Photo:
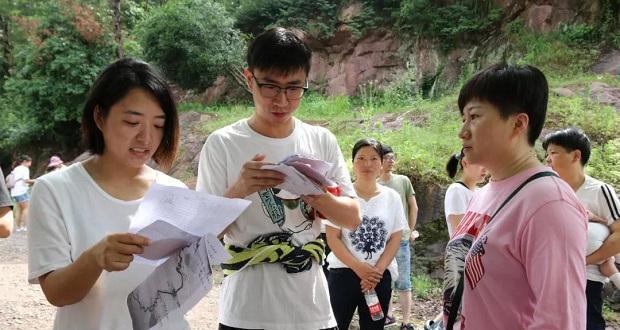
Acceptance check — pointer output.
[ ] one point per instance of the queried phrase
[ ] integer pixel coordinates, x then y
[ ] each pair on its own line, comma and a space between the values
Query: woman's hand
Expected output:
115, 252
367, 286
608, 267
368, 273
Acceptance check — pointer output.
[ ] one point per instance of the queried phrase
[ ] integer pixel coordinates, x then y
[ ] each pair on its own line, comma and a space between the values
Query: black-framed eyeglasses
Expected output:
271, 91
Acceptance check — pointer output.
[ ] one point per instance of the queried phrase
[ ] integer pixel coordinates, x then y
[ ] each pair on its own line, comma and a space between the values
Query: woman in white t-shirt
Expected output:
79, 249
456, 200
19, 192
460, 192
363, 259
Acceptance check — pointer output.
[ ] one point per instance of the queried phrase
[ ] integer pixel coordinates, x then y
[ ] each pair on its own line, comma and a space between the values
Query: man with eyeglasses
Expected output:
274, 278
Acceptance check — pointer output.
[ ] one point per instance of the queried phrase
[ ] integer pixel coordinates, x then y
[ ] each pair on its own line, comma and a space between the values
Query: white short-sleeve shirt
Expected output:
21, 173
457, 198
265, 296
601, 199
382, 215
69, 213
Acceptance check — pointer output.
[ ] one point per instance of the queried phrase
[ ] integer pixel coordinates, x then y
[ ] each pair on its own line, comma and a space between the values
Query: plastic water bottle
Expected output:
376, 313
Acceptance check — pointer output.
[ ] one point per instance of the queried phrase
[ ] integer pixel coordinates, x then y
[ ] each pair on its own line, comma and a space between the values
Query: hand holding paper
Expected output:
304, 176
173, 217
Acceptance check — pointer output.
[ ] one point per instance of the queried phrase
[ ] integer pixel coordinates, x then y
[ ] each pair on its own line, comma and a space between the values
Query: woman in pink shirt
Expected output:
523, 235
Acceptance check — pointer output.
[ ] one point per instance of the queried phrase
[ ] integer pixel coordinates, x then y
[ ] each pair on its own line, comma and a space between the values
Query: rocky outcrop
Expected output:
608, 64
342, 64
346, 63
597, 92
185, 168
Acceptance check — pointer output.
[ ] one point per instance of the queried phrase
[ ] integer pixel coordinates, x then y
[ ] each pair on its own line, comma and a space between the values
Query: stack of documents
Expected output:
304, 176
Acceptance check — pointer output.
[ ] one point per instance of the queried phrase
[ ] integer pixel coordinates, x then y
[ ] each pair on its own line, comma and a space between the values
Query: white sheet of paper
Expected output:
173, 217
317, 165
177, 285
295, 182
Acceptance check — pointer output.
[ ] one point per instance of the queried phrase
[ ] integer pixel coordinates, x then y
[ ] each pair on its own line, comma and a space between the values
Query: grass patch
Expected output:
609, 314
425, 287
428, 129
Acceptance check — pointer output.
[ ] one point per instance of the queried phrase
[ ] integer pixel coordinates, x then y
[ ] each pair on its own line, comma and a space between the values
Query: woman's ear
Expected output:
577, 156
521, 122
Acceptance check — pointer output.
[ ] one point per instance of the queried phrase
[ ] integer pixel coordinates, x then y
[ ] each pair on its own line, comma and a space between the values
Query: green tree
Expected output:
192, 41
66, 47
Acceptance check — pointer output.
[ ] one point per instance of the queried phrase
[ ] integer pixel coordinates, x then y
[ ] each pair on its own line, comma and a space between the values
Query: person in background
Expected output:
460, 192
363, 259
54, 164
568, 152
458, 195
19, 192
402, 185
288, 290
79, 248
6, 209
523, 230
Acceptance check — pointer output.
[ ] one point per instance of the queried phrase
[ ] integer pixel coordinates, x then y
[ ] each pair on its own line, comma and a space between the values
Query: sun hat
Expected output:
54, 161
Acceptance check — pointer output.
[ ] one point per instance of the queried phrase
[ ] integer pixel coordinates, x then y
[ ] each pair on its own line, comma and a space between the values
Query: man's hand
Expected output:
252, 179
115, 252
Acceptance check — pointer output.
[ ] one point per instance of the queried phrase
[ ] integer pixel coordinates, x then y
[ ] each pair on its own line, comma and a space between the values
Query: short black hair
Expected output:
280, 50
368, 142
23, 158
512, 89
570, 139
114, 83
387, 150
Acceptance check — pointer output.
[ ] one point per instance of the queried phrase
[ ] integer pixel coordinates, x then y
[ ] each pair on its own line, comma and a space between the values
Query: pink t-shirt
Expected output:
526, 268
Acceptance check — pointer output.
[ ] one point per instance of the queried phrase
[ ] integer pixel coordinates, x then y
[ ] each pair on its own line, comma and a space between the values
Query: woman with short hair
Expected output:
79, 249
525, 229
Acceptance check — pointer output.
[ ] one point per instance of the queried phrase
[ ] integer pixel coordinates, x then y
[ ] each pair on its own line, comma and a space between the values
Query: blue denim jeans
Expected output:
403, 259
22, 198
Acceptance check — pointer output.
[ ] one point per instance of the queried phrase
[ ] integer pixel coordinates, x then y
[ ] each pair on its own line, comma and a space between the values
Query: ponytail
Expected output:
453, 164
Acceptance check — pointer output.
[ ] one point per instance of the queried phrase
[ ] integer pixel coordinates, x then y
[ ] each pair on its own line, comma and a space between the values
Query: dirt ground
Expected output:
23, 306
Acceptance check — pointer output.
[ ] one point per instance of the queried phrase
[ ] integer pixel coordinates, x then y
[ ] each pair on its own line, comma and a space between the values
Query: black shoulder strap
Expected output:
530, 179
463, 183
458, 293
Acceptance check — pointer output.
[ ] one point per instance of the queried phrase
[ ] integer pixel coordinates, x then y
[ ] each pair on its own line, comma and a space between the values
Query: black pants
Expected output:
225, 327
594, 296
346, 295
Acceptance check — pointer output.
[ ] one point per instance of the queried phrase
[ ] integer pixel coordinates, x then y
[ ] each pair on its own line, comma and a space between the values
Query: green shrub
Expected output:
601, 123
462, 21
604, 161
559, 54
192, 41
318, 18
425, 287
